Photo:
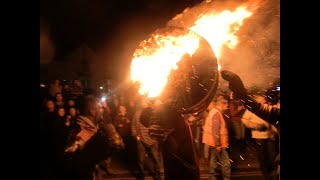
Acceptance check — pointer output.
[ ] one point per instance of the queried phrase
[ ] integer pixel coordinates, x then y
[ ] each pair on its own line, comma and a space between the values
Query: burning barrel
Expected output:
178, 65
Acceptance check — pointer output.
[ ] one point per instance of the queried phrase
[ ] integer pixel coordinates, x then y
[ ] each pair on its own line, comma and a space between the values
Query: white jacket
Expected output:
250, 118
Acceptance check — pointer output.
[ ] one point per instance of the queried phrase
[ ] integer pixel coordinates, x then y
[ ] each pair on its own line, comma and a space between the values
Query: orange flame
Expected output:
219, 28
151, 66
160, 54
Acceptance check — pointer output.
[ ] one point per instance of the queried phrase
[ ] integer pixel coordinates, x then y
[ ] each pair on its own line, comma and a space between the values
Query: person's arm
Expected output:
116, 122
246, 121
266, 112
95, 150
133, 126
216, 128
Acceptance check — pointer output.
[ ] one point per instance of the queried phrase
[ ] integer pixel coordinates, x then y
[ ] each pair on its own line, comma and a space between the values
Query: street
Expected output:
247, 168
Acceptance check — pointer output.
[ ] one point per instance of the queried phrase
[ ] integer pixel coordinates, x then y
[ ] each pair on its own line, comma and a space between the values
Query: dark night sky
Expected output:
113, 29
73, 22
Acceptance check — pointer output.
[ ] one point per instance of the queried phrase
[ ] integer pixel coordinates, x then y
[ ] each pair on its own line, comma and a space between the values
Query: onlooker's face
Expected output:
72, 112
95, 109
122, 109
231, 95
224, 105
157, 103
131, 103
144, 104
77, 82
61, 112
66, 86
50, 105
59, 97
71, 102
121, 99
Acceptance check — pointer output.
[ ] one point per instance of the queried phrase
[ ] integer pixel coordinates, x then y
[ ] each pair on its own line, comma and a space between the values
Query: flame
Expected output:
160, 54
151, 66
219, 28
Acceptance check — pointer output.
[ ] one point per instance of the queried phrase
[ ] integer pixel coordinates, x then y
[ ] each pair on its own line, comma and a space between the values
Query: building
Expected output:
82, 63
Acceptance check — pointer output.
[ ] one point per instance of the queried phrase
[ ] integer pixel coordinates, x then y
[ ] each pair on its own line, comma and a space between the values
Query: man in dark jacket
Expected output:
77, 161
266, 112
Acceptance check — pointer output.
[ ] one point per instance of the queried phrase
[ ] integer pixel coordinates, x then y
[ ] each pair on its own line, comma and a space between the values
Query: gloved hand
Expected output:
235, 84
75, 146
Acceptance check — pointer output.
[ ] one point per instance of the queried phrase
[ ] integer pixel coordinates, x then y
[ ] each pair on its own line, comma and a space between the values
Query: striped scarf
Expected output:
88, 128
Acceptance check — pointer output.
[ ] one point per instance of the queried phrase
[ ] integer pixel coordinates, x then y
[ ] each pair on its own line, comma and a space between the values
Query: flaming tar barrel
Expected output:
176, 64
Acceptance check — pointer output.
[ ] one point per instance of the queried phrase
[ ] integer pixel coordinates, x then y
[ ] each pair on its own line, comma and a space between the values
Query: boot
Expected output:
109, 170
107, 167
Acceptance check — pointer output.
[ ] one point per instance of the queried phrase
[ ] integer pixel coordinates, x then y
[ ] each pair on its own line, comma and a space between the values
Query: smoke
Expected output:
47, 48
256, 58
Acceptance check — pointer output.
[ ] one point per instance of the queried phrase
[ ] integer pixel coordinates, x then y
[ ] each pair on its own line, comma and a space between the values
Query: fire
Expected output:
151, 66
219, 28
158, 55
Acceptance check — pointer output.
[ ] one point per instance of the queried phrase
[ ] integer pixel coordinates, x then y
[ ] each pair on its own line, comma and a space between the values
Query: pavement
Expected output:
244, 167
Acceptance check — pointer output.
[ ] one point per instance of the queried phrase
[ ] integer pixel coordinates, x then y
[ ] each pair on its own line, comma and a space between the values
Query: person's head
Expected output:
71, 102
122, 109
132, 103
122, 98
77, 82
61, 111
115, 100
91, 106
50, 105
56, 82
73, 111
157, 103
66, 86
231, 95
235, 106
59, 97
221, 104
144, 103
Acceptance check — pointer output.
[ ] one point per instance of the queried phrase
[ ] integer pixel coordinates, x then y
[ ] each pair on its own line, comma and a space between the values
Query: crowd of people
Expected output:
68, 121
